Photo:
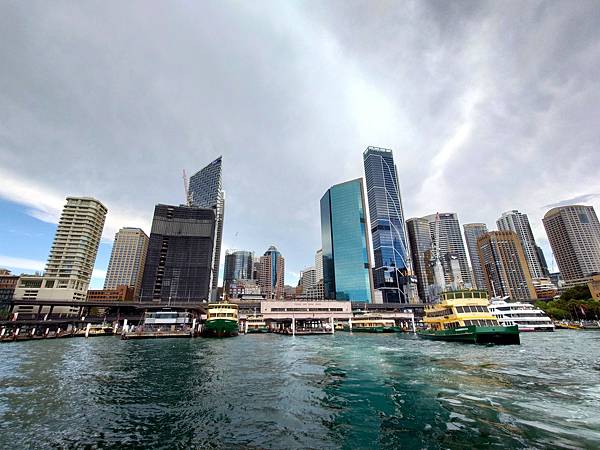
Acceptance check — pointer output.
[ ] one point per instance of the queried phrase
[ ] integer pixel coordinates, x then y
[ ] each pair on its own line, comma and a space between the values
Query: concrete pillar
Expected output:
246, 326
33, 331
332, 327
2, 332
15, 315
350, 323
413, 323
193, 327
47, 331
17, 331
87, 329
293, 326
115, 326
124, 326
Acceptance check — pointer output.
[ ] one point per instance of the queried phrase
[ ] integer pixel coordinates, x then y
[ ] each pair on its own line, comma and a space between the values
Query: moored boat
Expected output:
161, 324
463, 316
256, 324
221, 320
371, 323
524, 315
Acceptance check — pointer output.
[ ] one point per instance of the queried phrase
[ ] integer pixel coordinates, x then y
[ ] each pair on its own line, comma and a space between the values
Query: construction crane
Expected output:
186, 188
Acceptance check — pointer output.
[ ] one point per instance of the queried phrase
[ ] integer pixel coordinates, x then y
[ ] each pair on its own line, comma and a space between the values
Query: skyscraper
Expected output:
319, 264
73, 254
206, 191
238, 266
450, 245
505, 266
472, 232
271, 274
574, 235
419, 238
127, 260
519, 223
346, 253
179, 259
392, 260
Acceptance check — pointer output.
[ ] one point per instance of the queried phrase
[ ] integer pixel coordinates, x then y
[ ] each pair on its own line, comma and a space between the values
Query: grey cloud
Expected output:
113, 99
584, 198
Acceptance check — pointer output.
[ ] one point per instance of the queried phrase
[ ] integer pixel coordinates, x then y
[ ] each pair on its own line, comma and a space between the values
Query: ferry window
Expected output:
450, 296
476, 295
468, 295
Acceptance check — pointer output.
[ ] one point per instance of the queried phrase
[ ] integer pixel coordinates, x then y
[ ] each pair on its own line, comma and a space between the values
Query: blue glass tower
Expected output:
206, 191
392, 263
346, 252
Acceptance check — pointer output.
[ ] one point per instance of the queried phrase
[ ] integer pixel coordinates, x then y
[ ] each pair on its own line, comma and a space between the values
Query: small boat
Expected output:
221, 320
463, 316
524, 315
103, 329
371, 323
256, 324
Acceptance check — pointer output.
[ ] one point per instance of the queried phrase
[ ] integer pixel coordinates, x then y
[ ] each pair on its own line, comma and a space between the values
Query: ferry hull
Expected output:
257, 330
220, 328
476, 335
373, 329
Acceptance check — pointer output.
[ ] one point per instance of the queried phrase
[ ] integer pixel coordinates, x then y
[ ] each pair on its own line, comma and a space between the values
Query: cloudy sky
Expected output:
488, 106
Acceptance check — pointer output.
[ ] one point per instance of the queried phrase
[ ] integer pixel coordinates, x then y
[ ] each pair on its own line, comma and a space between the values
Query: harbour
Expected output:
330, 391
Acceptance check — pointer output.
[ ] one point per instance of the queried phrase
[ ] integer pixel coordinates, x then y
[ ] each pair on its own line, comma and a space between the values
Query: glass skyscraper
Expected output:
238, 266
206, 191
392, 263
346, 252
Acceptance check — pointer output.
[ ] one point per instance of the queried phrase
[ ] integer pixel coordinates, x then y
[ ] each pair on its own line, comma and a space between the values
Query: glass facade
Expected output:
206, 191
392, 264
346, 259
238, 266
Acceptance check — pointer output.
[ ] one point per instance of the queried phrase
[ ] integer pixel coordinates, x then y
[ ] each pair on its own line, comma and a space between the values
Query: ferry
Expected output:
463, 316
370, 323
256, 324
161, 324
221, 320
526, 316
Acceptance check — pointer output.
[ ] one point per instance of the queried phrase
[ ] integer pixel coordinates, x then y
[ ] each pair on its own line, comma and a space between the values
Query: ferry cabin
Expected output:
374, 324
460, 309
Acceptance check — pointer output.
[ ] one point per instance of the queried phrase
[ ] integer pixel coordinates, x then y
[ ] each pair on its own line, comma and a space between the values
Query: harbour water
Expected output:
269, 391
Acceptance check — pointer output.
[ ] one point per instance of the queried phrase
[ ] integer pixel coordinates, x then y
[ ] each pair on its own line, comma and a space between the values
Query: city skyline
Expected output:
443, 118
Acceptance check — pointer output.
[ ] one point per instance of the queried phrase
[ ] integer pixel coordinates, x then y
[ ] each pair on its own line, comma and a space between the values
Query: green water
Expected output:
270, 391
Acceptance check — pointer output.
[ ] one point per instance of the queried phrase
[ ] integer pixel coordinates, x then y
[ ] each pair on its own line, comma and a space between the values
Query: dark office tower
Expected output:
346, 252
238, 266
392, 263
472, 232
180, 251
451, 243
540, 254
420, 252
206, 191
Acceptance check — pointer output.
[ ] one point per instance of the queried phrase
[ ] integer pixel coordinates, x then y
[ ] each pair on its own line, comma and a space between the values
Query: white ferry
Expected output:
525, 315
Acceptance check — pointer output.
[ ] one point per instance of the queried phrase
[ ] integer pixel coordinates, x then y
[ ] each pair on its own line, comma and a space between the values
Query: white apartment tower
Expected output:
319, 264
127, 259
519, 223
73, 253
574, 235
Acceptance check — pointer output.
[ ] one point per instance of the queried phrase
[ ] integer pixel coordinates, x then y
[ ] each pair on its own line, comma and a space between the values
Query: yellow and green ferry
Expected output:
221, 320
370, 323
256, 324
463, 316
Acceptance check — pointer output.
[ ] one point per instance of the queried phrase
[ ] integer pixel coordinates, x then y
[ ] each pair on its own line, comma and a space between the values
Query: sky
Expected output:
488, 106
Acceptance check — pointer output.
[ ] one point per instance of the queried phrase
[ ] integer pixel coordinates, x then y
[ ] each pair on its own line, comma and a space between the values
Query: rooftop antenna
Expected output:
186, 188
